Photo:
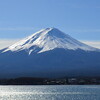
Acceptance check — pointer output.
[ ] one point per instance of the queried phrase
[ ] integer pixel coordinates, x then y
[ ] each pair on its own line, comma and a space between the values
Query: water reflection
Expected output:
50, 92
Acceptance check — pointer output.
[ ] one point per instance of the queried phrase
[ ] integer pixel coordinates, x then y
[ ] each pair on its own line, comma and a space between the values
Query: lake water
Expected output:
50, 92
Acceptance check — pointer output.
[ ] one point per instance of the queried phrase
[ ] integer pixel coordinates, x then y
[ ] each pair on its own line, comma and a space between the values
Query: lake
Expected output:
50, 92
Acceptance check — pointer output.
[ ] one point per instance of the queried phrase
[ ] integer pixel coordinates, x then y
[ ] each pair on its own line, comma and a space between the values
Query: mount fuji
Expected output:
49, 53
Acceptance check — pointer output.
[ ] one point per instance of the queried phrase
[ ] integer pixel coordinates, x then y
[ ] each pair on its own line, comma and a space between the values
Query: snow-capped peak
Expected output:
48, 39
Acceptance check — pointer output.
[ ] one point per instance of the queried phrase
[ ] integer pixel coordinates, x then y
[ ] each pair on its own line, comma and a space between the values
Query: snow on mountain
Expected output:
48, 39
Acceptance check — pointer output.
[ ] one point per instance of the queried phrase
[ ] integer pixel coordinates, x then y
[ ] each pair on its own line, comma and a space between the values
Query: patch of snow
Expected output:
48, 39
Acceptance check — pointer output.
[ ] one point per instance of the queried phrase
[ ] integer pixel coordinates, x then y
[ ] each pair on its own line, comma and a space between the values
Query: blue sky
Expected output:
78, 18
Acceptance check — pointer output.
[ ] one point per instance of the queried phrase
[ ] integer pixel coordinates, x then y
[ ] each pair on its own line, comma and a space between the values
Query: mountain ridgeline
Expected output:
49, 53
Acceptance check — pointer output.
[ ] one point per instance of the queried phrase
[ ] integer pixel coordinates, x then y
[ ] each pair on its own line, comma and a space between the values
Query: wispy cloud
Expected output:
7, 42
85, 30
34, 28
95, 44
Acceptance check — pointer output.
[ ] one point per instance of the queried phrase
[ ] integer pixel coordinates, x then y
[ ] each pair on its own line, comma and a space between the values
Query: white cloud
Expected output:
85, 30
7, 42
95, 44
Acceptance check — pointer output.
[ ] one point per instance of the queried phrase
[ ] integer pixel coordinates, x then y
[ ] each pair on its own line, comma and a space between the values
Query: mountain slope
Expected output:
48, 39
49, 53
